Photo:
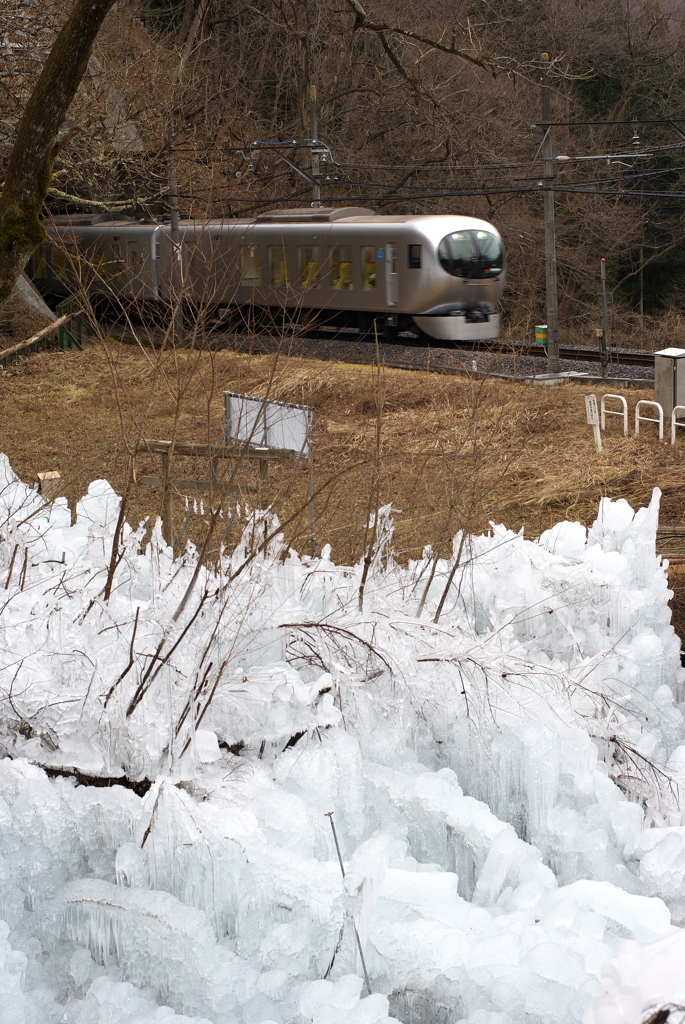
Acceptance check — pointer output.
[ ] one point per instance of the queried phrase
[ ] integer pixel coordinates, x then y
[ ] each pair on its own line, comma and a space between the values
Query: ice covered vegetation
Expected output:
498, 736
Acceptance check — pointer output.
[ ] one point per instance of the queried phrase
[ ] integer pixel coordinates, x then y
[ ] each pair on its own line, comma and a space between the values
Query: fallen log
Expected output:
36, 337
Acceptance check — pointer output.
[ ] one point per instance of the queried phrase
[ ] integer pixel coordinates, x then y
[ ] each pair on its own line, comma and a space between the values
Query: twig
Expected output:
115, 557
131, 659
23, 571
144, 685
9, 574
329, 815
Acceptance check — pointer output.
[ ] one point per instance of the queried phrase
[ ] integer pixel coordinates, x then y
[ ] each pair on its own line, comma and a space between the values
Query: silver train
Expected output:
440, 276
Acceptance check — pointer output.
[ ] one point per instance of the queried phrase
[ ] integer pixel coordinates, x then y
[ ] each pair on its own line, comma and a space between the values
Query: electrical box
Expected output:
541, 334
669, 379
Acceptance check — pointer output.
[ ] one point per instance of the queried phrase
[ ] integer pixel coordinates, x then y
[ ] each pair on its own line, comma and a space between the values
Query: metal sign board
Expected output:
591, 410
269, 424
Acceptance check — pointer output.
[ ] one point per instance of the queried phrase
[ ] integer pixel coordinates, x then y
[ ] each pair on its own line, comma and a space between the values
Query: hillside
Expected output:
388, 102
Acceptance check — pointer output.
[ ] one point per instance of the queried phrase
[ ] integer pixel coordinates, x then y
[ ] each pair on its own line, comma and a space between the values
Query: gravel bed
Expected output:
416, 355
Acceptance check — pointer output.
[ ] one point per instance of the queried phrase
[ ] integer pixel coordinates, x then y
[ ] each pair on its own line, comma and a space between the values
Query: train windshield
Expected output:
471, 254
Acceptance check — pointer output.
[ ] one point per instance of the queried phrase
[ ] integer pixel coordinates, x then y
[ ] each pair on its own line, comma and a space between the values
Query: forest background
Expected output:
426, 110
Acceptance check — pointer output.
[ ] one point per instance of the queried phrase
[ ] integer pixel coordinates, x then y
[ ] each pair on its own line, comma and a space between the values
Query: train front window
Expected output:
471, 254
457, 254
491, 255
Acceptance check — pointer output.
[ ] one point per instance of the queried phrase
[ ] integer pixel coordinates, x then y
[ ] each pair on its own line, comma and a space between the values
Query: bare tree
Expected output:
29, 171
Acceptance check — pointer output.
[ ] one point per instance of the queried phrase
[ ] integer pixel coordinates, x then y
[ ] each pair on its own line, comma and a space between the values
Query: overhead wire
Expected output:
414, 191
447, 194
387, 192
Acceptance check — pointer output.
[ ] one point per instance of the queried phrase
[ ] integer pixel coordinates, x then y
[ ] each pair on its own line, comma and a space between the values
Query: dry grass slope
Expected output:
454, 452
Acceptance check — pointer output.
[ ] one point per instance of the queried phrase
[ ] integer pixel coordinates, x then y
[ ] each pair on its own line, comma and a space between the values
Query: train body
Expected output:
439, 274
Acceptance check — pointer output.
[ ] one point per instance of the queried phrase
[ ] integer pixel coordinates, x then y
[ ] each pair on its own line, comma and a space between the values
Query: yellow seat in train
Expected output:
310, 274
369, 278
281, 274
344, 280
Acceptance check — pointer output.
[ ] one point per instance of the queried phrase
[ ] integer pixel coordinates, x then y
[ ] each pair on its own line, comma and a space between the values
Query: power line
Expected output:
448, 194
633, 120
411, 190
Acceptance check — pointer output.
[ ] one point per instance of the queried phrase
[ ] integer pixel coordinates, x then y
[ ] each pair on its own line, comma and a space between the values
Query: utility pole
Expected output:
553, 364
313, 133
604, 337
641, 306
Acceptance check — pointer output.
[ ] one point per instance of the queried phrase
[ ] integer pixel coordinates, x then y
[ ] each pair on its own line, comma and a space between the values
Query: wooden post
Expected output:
592, 415
49, 484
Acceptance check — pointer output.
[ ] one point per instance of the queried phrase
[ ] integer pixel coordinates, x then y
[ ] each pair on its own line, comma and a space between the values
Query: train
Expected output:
438, 276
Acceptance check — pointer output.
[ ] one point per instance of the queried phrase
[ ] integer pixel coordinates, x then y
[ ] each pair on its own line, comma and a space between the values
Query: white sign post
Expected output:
269, 424
592, 415
280, 426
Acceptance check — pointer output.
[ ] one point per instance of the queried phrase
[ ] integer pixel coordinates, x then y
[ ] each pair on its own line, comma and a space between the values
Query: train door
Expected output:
390, 274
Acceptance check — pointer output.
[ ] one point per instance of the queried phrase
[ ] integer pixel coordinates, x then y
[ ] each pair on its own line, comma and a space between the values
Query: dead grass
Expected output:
630, 330
455, 452
18, 321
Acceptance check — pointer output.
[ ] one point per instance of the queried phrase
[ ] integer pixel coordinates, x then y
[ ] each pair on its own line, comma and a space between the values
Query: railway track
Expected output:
406, 352
583, 354
622, 357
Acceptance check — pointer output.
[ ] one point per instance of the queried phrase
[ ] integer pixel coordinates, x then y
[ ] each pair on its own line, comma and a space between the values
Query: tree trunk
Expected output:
29, 170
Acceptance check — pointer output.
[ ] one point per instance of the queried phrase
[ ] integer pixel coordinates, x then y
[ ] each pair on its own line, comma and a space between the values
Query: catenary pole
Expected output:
313, 134
553, 364
604, 339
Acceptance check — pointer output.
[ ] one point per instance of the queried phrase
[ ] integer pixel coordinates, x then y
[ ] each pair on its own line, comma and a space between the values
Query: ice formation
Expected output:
506, 782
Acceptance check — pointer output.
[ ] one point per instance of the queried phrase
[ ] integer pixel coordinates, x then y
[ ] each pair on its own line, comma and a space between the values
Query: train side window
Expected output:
250, 269
309, 266
98, 259
134, 258
414, 257
279, 266
40, 265
342, 279
368, 268
117, 264
59, 263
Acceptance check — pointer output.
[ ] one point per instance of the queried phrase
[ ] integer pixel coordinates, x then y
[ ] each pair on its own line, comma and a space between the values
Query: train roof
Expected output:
430, 223
298, 215
312, 214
